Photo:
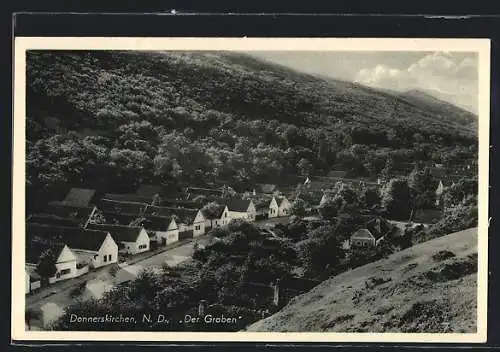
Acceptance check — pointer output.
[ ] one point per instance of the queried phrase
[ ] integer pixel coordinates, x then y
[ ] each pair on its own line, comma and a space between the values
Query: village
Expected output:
87, 230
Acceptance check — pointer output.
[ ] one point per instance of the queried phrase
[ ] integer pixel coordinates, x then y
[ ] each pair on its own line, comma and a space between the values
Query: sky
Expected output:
450, 76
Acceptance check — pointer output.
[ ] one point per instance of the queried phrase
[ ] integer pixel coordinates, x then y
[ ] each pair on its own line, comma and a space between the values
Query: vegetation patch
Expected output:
338, 320
443, 255
425, 317
453, 270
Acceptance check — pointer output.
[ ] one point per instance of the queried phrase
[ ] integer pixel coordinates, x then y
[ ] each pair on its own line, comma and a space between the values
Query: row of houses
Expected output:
85, 231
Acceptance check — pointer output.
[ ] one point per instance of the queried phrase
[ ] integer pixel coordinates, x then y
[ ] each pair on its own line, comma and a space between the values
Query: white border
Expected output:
481, 46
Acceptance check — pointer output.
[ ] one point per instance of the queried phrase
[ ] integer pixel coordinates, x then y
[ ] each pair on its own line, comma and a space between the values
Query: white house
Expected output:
59, 254
218, 217
93, 247
131, 239
96, 248
279, 206
190, 219
241, 209
371, 235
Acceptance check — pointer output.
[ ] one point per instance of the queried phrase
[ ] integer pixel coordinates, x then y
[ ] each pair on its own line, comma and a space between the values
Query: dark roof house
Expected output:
81, 197
120, 233
50, 219
134, 198
214, 212
35, 248
182, 215
74, 238
118, 207
79, 213
238, 205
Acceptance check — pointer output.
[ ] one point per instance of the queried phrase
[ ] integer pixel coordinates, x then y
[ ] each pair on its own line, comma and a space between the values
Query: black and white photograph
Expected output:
280, 187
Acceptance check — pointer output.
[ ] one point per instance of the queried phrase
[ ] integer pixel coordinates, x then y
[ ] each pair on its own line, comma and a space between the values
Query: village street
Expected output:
52, 300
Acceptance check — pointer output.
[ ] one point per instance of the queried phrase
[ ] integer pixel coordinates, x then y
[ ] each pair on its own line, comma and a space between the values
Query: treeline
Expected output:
199, 117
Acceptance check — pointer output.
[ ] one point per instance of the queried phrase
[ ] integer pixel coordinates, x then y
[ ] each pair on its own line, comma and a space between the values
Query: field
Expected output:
427, 288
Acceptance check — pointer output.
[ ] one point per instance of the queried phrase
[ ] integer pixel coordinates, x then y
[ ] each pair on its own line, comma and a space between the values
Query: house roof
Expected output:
112, 206
266, 187
134, 198
79, 196
238, 204
363, 233
169, 202
156, 223
182, 215
280, 200
79, 213
51, 219
378, 227
35, 248
217, 213
73, 237
120, 233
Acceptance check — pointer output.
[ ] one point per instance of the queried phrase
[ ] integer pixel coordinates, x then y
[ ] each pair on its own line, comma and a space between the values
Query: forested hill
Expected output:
171, 116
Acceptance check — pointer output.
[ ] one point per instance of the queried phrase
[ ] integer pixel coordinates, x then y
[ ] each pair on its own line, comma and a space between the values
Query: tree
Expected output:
422, 189
298, 208
305, 166
387, 170
330, 208
47, 264
396, 199
369, 197
31, 314
211, 210
321, 252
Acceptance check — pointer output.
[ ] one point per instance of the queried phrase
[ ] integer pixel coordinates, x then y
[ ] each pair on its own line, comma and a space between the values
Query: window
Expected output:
110, 257
225, 215
65, 271
105, 258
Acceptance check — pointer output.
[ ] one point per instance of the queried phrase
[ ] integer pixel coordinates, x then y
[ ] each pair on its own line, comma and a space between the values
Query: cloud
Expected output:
448, 76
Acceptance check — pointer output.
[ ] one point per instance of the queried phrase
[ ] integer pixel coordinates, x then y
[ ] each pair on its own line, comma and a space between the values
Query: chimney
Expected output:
201, 307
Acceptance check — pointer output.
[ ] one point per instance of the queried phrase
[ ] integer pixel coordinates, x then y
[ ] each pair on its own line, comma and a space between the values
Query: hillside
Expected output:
201, 117
439, 106
430, 287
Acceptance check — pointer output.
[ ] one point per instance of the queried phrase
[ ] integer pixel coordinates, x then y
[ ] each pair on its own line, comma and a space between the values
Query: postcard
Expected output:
250, 189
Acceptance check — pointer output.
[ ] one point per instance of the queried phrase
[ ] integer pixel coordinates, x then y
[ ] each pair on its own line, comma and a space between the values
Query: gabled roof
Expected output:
73, 237
363, 233
280, 200
182, 215
50, 219
238, 204
169, 202
79, 196
218, 211
35, 248
156, 223
193, 191
134, 198
79, 213
378, 227
120, 233
112, 206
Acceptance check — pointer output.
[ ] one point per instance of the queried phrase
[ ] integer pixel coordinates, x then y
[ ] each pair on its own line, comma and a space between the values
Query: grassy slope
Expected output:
424, 294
